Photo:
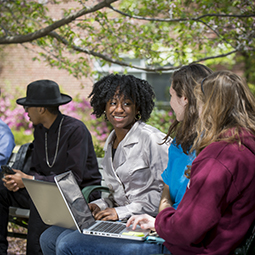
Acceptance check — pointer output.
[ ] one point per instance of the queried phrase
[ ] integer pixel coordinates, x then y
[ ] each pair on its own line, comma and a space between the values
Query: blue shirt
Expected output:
173, 176
6, 143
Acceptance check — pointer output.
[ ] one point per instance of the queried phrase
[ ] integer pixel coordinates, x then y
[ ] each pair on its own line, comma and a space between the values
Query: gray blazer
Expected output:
134, 176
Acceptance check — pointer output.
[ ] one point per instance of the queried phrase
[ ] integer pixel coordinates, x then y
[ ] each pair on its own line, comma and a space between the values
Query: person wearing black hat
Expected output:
61, 143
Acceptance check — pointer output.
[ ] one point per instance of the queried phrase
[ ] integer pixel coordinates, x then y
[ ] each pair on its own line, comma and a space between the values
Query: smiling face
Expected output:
178, 104
121, 112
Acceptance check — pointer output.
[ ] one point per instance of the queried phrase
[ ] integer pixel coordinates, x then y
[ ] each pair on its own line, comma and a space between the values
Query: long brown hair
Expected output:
227, 108
183, 82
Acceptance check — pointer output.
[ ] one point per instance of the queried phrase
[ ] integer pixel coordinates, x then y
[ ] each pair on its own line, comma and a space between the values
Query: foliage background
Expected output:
166, 33
16, 118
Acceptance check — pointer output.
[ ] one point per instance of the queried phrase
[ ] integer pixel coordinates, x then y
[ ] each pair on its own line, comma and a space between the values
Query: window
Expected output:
160, 82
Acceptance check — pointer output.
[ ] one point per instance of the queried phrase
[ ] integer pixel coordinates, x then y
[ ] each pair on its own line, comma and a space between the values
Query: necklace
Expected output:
46, 147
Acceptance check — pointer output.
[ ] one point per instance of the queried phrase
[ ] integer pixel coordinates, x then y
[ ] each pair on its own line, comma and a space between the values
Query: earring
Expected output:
105, 117
138, 116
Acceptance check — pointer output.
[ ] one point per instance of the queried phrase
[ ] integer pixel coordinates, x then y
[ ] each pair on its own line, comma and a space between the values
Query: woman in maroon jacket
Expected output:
218, 207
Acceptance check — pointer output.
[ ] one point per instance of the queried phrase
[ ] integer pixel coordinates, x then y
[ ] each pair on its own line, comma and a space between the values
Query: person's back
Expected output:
238, 205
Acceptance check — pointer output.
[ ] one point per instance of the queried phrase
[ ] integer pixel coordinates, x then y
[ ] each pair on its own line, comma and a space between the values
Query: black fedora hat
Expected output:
43, 93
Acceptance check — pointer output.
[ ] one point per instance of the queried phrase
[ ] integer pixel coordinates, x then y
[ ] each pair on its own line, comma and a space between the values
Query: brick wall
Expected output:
18, 69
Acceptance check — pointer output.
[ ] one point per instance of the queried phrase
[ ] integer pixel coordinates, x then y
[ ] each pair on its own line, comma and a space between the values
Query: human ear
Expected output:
137, 110
42, 110
184, 101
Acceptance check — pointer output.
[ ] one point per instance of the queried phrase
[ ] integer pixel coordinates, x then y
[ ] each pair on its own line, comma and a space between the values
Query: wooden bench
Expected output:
20, 216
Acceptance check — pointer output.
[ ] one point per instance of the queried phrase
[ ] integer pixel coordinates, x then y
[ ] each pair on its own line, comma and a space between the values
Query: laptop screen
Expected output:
75, 200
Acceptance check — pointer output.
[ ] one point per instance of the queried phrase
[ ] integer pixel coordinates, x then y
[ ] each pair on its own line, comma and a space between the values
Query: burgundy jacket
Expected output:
219, 204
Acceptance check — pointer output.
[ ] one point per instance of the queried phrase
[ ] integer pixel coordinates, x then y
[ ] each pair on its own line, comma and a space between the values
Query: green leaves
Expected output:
159, 31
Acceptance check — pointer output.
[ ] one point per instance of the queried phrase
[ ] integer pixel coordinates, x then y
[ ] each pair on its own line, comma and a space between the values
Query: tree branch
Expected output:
214, 57
45, 31
182, 19
122, 63
197, 19
218, 34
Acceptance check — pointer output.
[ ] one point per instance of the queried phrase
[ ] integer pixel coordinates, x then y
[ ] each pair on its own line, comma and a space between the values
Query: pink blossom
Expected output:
28, 132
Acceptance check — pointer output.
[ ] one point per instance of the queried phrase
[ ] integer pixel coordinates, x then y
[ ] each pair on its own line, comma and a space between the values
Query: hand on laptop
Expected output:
94, 208
145, 221
107, 214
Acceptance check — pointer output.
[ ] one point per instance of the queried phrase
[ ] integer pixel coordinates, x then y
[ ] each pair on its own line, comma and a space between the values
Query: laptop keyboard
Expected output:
109, 227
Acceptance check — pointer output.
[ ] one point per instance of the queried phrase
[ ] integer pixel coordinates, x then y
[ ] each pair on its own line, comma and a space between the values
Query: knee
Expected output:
50, 238
69, 243
47, 242
44, 241
62, 247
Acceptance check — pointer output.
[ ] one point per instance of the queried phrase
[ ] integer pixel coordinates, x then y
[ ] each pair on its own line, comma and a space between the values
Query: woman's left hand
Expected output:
107, 214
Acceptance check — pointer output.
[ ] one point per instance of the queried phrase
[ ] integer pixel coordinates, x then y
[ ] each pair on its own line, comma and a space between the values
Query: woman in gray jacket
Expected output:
134, 159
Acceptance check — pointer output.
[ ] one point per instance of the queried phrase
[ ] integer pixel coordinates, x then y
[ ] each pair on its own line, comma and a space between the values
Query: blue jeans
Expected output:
59, 241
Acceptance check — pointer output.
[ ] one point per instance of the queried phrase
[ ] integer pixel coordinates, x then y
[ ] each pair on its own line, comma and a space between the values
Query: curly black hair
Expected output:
138, 91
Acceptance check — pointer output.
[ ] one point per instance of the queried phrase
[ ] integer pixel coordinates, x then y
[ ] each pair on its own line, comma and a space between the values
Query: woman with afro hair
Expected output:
134, 158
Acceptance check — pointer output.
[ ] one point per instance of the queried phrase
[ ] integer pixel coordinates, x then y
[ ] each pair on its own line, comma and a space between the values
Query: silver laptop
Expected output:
79, 213
49, 203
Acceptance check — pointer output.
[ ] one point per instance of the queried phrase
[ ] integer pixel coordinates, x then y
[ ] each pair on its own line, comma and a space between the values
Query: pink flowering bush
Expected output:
82, 110
13, 115
16, 118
